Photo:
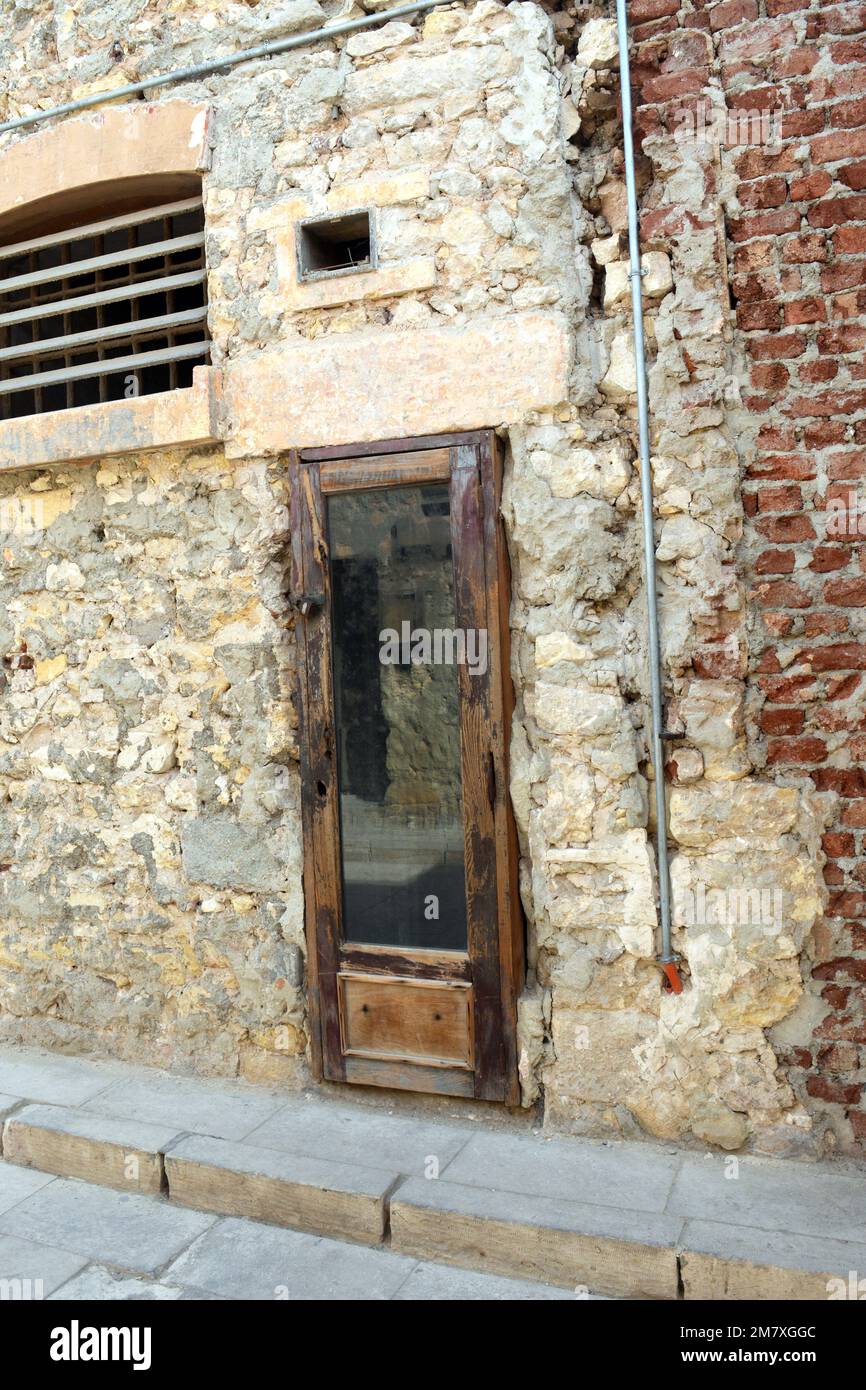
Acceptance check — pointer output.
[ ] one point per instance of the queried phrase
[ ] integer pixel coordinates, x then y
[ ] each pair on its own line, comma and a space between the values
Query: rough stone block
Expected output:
565, 1243
398, 383
125, 1154
739, 1262
310, 1194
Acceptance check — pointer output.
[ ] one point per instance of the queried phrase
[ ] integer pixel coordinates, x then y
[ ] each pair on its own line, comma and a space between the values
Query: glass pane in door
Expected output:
396, 714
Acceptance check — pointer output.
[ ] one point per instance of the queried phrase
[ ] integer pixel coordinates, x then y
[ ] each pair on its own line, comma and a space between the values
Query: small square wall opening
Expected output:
336, 245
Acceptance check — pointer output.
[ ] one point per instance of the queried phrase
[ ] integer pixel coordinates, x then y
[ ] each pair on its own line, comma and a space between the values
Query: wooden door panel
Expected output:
408, 1016
423, 1021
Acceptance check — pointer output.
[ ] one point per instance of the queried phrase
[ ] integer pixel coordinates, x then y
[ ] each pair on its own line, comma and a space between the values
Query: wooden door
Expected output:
414, 931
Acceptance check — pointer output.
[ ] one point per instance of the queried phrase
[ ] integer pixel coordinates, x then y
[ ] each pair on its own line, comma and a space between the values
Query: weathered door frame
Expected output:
493, 967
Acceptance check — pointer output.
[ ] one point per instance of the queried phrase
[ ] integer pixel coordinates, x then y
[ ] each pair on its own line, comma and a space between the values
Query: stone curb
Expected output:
619, 1252
124, 1154
309, 1194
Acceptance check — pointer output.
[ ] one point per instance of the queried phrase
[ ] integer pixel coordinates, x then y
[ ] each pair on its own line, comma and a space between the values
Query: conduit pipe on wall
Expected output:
230, 60
667, 959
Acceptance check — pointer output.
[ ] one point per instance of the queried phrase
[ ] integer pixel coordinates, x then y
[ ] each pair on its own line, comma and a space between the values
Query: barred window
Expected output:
103, 310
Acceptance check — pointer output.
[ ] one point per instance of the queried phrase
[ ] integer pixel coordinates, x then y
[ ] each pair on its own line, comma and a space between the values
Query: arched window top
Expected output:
103, 292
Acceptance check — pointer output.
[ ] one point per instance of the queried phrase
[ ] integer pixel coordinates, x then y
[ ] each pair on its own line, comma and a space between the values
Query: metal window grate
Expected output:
104, 311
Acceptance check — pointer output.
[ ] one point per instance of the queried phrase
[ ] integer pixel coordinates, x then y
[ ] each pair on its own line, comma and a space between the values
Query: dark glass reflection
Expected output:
398, 734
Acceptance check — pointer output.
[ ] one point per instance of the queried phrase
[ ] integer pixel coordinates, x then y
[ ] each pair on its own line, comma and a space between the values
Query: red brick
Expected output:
731, 13
845, 781
666, 87
840, 656
825, 625
772, 223
842, 687
854, 814
780, 593
800, 123
849, 113
782, 345
796, 751
780, 499
836, 211
854, 175
829, 149
757, 163
827, 403
849, 337
849, 241
755, 255
848, 593
835, 1091
787, 529
775, 562
806, 249
847, 466
828, 557
805, 311
858, 1123
784, 689
845, 965
823, 432
843, 275
839, 844
821, 371
758, 40
848, 51
781, 721
766, 193
840, 19
811, 186
760, 315
641, 10
771, 376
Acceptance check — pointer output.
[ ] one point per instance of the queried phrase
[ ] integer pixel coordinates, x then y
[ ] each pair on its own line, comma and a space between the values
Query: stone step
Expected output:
345, 1200
126, 1154
514, 1230
630, 1254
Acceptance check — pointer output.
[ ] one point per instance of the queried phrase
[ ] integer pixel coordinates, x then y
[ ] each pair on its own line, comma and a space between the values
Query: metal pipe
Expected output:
667, 957
246, 55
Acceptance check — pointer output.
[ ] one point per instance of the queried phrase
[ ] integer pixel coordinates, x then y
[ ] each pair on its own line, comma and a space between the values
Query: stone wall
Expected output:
148, 774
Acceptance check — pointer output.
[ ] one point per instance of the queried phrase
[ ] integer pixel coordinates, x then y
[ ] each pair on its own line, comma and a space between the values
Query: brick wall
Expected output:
795, 217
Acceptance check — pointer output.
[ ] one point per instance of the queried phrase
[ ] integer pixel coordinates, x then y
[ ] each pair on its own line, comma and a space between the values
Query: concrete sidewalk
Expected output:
178, 1172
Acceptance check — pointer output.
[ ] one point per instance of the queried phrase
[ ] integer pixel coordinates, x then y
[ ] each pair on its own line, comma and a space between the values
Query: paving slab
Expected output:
41, 1268
429, 1283
571, 1244
636, 1176
34, 1075
245, 1260
772, 1195
18, 1183
346, 1200
117, 1228
191, 1104
102, 1285
354, 1134
740, 1262
78, 1144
